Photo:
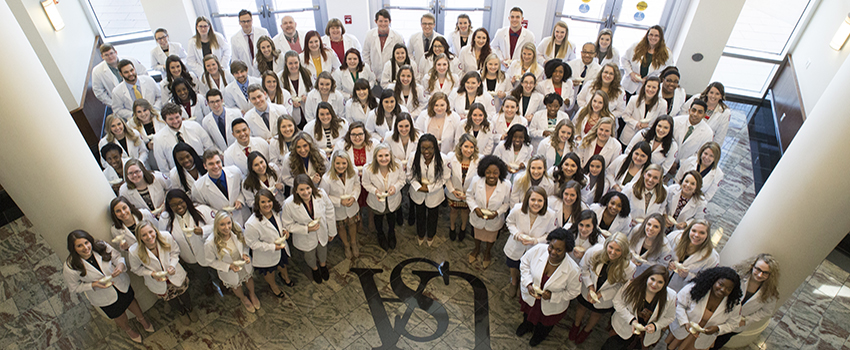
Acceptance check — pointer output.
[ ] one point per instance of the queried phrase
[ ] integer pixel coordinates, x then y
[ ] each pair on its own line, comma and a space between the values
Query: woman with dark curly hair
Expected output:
710, 305
488, 199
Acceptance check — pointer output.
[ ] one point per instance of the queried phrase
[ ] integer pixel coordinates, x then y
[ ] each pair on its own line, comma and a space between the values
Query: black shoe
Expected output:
540, 334
391, 242
317, 276
399, 219
326, 274
411, 219
452, 234
524, 328
382, 241
461, 234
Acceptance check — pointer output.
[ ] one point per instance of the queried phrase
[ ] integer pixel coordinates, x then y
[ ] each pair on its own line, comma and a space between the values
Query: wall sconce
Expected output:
53, 14
841, 34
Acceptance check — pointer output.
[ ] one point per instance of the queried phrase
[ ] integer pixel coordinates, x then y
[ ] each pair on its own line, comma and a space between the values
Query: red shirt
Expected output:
514, 35
339, 48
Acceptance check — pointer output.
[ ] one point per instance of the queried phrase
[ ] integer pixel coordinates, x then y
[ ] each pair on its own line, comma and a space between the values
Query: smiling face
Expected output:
536, 169
714, 95
259, 166
671, 82
653, 36
689, 185
651, 88
270, 83
324, 86
603, 132
241, 76
527, 85
467, 149
266, 49
400, 54
405, 77
362, 94
569, 167
515, 19
388, 103
83, 247
614, 250
652, 228
351, 60
552, 109
305, 192
175, 68
471, 86
559, 34
427, 149
302, 148
441, 66
604, 41
651, 178
480, 40
384, 157
695, 114
111, 57
182, 92
518, 140
336, 33
128, 72
242, 134
178, 206
568, 197
585, 227
596, 103
266, 205
462, 25
565, 133
536, 202
638, 157
595, 167
211, 66
722, 288
287, 129
224, 225
403, 127
122, 212
314, 44
213, 166
292, 65
491, 175
438, 48
117, 128
143, 114
509, 107
148, 236
607, 75
761, 271
527, 56
655, 283
493, 66
707, 158
477, 116
558, 73
288, 25
383, 24
588, 52
698, 234
440, 107
325, 117
340, 165
185, 159
358, 136
113, 158
615, 205
135, 175
203, 28
557, 250
662, 129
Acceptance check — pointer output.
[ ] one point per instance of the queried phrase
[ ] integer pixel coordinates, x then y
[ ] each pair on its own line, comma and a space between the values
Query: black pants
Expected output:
182, 303
426, 220
615, 342
379, 222
722, 340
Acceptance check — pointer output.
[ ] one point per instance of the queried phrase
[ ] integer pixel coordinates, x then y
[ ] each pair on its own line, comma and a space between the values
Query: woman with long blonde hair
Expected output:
647, 57
557, 45
693, 251
600, 140
227, 252
118, 132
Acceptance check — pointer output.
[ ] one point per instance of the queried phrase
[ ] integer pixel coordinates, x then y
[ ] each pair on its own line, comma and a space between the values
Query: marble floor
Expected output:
38, 312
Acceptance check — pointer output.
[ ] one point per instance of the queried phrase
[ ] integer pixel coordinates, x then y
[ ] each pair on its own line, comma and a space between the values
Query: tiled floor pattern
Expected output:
38, 312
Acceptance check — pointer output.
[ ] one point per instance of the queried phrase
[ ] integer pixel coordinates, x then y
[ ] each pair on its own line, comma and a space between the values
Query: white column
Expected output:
800, 214
706, 30
45, 164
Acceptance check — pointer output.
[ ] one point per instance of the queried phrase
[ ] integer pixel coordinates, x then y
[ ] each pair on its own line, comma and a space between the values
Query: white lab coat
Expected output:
694, 263
718, 121
425, 64
657, 157
588, 193
399, 151
664, 256
500, 125
354, 111
624, 314
467, 58
158, 57
693, 210
166, 138
519, 223
329, 64
278, 65
165, 89
275, 154
133, 150
639, 209
577, 66
689, 310
614, 168
454, 40
225, 77
544, 148
240, 51
286, 176
301, 92
501, 44
634, 113
195, 55
282, 44
156, 190
615, 57
408, 101
567, 94
348, 41
296, 219
250, 194
518, 194
590, 276
564, 284
221, 141
611, 150
206, 192
535, 103
456, 182
540, 123
629, 65
710, 182
234, 98
458, 103
616, 105
128, 235
556, 205
335, 98
174, 180
451, 126
221, 263
367, 147
435, 194
336, 189
345, 82
702, 133
234, 155
199, 110
260, 235
487, 140
542, 58
374, 55
376, 183
258, 125
754, 309
83, 284
387, 77
103, 81
380, 130
516, 71
192, 247
416, 45
510, 156
322, 140
447, 87
620, 224
122, 98
679, 97
156, 263
499, 202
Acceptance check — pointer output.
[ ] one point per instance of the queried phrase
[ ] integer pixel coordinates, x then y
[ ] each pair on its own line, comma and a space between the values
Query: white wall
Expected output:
64, 54
361, 18
535, 11
176, 16
707, 34
814, 61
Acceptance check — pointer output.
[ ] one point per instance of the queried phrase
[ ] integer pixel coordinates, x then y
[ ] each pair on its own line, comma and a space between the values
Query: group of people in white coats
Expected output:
253, 144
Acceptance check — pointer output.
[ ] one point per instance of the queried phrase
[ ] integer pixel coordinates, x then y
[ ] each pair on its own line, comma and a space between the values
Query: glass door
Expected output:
407, 13
267, 14
628, 19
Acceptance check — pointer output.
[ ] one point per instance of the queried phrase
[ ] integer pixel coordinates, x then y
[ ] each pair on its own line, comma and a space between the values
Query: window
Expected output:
120, 20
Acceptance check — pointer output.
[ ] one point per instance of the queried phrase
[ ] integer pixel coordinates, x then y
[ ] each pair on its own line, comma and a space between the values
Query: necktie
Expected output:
251, 47
584, 72
265, 116
244, 90
137, 92
180, 137
246, 151
219, 120
220, 184
427, 44
647, 197
690, 130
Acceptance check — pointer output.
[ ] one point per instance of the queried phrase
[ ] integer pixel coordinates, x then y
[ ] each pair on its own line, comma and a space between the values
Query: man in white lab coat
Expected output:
584, 68
264, 116
289, 38
105, 75
419, 42
236, 93
163, 49
508, 41
378, 46
189, 132
132, 88
237, 154
691, 131
217, 122
221, 187
243, 44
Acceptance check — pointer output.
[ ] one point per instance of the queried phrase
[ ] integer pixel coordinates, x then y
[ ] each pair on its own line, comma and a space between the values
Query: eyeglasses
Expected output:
243, 21
429, 24
760, 271
358, 134
162, 38
135, 172
587, 52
